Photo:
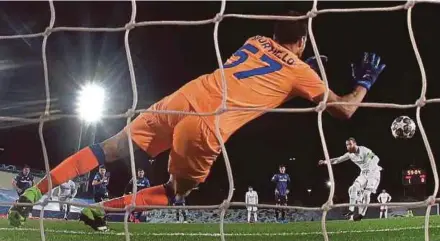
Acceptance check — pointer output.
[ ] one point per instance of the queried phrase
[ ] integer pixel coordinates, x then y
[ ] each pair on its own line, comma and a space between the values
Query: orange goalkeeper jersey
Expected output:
261, 74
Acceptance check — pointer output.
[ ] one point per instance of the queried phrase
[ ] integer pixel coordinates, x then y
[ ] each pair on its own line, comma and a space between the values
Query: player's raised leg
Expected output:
78, 164
353, 193
373, 180
150, 132
365, 201
178, 187
194, 149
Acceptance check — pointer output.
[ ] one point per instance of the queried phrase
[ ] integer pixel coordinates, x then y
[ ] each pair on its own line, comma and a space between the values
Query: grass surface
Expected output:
402, 229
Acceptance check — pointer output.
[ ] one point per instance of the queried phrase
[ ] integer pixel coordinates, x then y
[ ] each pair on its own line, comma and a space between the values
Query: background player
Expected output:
141, 183
367, 181
384, 197
251, 197
23, 180
66, 192
263, 73
181, 212
282, 180
100, 183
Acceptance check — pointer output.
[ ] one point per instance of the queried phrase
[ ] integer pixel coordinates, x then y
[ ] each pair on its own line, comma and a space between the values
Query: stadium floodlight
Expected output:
90, 105
329, 184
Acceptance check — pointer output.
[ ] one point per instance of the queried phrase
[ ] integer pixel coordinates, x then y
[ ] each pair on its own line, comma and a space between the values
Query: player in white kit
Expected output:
384, 197
251, 198
67, 191
368, 180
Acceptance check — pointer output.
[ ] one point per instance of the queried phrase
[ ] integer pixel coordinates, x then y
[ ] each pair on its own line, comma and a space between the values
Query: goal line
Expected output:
203, 234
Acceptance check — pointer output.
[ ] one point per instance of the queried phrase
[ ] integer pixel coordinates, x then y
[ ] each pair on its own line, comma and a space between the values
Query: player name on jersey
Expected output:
279, 53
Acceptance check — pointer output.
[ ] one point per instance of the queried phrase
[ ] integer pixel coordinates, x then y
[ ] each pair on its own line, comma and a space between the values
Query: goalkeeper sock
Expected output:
78, 164
157, 195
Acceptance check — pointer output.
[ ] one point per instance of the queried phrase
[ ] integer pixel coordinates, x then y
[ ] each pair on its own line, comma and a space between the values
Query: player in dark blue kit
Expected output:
23, 180
141, 183
100, 183
282, 180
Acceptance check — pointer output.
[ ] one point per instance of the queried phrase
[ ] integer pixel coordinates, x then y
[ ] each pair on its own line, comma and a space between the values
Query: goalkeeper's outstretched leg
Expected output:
159, 195
194, 148
78, 164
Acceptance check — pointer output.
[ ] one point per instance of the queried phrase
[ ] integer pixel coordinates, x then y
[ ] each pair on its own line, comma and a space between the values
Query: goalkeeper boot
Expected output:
17, 214
94, 218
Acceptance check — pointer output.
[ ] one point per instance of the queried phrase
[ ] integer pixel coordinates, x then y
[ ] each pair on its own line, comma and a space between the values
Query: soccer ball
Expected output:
403, 127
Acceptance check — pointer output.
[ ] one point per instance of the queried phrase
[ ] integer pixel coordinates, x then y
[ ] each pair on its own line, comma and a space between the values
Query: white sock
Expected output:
366, 200
255, 216
381, 213
353, 194
249, 216
386, 213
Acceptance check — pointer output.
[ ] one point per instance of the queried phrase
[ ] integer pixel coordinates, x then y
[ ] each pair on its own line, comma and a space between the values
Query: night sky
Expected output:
166, 57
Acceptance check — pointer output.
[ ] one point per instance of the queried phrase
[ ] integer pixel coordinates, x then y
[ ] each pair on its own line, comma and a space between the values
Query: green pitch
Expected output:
402, 229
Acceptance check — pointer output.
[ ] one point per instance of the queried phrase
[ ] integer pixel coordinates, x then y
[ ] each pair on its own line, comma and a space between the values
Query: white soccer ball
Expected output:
403, 127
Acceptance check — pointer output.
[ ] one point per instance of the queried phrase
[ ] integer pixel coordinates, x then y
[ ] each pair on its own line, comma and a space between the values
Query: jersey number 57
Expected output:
242, 55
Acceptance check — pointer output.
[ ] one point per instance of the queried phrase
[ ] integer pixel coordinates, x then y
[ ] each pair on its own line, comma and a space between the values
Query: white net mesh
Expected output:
314, 12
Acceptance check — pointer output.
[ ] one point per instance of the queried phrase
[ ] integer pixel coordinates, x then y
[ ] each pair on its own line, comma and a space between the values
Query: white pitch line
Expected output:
110, 233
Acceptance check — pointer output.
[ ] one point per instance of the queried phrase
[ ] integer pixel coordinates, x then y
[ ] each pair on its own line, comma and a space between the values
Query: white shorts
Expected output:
369, 180
64, 198
383, 207
252, 209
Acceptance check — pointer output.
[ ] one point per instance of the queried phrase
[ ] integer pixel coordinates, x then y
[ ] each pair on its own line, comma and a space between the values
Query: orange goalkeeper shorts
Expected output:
194, 146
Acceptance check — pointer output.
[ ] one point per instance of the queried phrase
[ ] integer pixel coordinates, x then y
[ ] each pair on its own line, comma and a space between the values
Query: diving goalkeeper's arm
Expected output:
364, 75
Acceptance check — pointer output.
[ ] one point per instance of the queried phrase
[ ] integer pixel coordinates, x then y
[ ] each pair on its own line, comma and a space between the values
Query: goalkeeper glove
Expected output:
368, 71
313, 63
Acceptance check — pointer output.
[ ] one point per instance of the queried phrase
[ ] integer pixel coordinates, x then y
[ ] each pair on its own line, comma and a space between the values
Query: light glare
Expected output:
91, 103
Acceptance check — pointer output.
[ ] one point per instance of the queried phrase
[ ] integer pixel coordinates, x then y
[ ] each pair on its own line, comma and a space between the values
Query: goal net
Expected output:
320, 108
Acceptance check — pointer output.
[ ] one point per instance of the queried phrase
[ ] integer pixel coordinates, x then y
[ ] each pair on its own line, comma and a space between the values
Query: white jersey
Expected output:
384, 197
251, 197
364, 158
67, 189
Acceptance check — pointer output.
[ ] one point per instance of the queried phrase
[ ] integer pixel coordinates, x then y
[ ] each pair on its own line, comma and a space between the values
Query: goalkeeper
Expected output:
265, 72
